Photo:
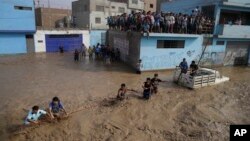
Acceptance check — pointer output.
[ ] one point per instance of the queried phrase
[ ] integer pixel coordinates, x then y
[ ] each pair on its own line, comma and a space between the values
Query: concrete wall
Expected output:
239, 1
86, 13
154, 58
82, 15
40, 42
236, 53
115, 11
138, 6
16, 20
214, 54
97, 36
11, 43
234, 31
185, 6
128, 44
47, 17
147, 5
97, 14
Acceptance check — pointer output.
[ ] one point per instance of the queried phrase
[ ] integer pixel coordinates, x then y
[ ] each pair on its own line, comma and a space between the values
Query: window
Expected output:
207, 42
121, 10
22, 8
40, 41
170, 43
100, 8
220, 43
64, 36
113, 7
29, 36
86, 8
134, 1
97, 20
151, 6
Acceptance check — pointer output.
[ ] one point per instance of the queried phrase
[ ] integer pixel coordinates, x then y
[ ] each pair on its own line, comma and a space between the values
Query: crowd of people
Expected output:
169, 22
150, 87
98, 51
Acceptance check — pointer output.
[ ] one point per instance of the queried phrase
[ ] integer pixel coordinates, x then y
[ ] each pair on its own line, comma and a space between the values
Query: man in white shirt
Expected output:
167, 21
35, 115
139, 67
172, 22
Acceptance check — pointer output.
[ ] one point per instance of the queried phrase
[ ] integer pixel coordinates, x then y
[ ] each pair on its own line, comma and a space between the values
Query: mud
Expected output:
87, 90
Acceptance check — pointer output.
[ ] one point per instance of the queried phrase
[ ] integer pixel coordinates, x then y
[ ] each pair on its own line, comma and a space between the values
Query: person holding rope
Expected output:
147, 89
56, 109
36, 115
193, 68
155, 82
184, 66
121, 95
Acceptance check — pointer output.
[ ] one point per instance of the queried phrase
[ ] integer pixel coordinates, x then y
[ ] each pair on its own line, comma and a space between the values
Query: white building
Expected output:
93, 13
51, 39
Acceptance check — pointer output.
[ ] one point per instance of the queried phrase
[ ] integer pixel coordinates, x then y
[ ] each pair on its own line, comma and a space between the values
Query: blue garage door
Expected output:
69, 42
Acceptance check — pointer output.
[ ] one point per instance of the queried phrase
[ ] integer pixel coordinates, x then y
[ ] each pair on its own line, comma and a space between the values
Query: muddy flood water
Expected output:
87, 88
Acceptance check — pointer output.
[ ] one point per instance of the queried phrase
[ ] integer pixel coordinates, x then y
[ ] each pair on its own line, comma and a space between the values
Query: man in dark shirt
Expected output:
155, 82
184, 66
76, 55
147, 89
193, 68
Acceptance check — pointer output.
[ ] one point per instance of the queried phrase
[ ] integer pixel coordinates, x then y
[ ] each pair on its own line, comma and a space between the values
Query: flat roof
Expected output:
173, 35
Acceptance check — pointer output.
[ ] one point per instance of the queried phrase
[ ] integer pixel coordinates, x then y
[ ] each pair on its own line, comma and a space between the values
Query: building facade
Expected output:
93, 14
230, 42
228, 45
52, 17
17, 26
150, 5
159, 51
50, 40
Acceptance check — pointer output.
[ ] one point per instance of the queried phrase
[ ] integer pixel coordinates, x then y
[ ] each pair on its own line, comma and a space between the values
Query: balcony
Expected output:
233, 31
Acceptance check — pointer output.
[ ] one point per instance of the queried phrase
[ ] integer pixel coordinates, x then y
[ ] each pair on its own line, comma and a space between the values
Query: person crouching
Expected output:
56, 108
36, 115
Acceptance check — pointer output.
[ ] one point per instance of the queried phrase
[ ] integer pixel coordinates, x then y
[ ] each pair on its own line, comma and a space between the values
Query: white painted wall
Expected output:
40, 36
97, 14
138, 6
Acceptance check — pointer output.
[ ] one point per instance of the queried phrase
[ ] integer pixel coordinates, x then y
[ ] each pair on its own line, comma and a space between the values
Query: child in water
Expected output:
155, 82
35, 116
122, 92
147, 89
56, 108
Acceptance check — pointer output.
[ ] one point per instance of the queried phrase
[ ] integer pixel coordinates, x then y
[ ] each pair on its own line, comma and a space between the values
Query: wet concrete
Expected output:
27, 80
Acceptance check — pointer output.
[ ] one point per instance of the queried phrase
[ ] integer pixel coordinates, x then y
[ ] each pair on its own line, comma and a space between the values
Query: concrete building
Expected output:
158, 4
230, 43
52, 17
150, 5
17, 26
93, 13
97, 36
158, 51
50, 40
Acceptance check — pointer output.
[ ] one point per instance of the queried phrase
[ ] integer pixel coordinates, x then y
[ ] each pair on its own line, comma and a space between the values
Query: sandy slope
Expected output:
175, 114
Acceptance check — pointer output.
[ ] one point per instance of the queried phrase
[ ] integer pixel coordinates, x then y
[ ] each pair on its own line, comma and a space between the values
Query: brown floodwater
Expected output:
176, 113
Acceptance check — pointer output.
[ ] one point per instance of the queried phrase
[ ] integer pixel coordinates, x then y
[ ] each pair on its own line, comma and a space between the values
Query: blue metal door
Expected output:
68, 42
